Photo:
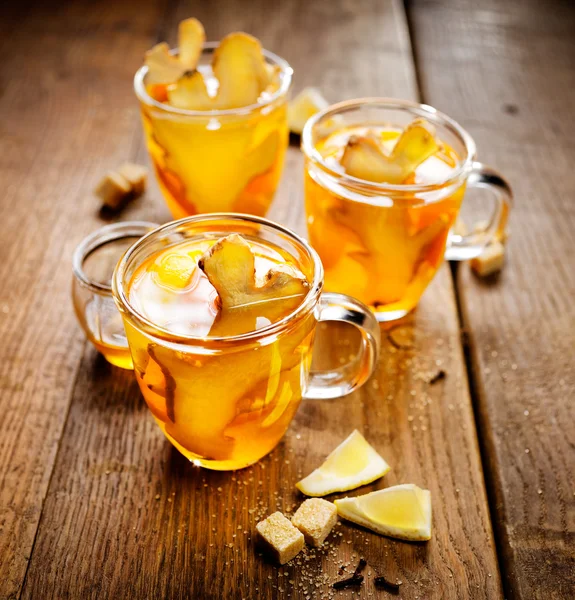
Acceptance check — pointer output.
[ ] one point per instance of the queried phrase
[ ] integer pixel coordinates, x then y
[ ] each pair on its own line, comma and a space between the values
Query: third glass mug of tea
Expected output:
226, 401
382, 242
217, 160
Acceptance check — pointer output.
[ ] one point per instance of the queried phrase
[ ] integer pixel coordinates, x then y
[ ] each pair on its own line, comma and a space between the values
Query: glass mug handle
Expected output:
333, 383
464, 247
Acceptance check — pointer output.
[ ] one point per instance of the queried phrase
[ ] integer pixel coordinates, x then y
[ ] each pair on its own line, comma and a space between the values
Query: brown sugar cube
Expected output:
460, 228
113, 189
490, 260
280, 537
136, 175
315, 518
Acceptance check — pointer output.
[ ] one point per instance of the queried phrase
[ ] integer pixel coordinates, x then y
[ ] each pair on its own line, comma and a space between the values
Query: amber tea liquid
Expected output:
382, 250
226, 407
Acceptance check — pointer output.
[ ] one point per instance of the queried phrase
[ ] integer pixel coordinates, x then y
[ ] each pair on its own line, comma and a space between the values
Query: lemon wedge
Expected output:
353, 463
402, 511
306, 104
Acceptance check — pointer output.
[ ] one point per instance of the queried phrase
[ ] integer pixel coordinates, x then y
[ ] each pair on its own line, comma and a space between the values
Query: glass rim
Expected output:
286, 71
151, 328
102, 236
421, 110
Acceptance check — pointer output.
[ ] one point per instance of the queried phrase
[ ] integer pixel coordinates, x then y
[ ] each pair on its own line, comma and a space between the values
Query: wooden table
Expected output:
94, 503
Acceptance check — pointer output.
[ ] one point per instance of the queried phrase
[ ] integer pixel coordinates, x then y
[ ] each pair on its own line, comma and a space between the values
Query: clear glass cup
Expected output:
93, 265
220, 160
382, 242
225, 402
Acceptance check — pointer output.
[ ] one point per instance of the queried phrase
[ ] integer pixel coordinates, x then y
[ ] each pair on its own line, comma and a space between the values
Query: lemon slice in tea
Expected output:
402, 511
353, 463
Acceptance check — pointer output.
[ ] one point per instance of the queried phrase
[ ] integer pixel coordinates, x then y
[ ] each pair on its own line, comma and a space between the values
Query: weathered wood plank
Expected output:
506, 71
126, 516
67, 115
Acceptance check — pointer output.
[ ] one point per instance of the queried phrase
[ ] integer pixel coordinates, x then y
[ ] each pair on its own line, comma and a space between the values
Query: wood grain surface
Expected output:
67, 115
506, 71
94, 502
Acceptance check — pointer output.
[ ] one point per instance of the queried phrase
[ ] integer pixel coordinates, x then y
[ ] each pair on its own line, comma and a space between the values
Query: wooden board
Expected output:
506, 71
122, 513
67, 115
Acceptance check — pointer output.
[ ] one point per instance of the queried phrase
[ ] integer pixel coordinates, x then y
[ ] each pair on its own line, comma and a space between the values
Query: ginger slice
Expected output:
415, 145
239, 65
204, 395
190, 92
163, 67
364, 158
191, 38
230, 267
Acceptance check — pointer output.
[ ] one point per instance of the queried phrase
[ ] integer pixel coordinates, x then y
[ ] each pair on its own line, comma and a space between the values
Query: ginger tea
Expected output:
382, 249
227, 406
215, 121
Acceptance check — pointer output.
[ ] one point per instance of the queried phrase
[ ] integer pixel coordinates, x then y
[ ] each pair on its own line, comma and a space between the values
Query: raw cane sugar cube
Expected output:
315, 518
490, 260
280, 537
135, 175
113, 189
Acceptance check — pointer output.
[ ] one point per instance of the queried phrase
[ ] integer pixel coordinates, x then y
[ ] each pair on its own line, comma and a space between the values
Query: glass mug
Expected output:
225, 402
217, 160
383, 242
93, 265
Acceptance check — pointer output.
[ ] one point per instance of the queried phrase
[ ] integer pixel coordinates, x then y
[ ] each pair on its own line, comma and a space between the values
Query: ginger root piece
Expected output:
113, 189
280, 538
490, 261
190, 92
230, 268
191, 38
136, 175
239, 65
163, 67
415, 145
364, 158
315, 518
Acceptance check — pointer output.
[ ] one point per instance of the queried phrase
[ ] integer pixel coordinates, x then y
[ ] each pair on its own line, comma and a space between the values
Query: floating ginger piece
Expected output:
364, 158
401, 511
191, 38
353, 463
164, 67
239, 65
230, 267
190, 92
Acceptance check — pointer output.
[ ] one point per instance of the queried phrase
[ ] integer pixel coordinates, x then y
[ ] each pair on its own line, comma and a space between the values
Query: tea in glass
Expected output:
220, 314
93, 262
384, 183
215, 122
